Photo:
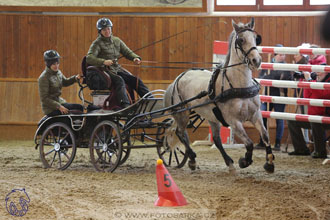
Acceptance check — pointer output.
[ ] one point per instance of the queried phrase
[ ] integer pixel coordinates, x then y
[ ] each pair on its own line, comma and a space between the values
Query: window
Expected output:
271, 5
236, 2
320, 2
283, 2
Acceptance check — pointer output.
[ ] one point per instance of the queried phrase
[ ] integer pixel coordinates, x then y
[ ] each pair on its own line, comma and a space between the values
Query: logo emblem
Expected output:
17, 202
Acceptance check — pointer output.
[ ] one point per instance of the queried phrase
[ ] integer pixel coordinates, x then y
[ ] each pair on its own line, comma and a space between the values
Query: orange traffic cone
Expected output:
169, 193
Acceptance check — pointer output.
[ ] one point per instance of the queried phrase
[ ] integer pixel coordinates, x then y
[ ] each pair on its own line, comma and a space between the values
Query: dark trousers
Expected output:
69, 106
318, 131
132, 81
279, 122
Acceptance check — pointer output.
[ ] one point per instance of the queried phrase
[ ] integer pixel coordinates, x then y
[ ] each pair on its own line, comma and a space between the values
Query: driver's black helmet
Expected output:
103, 23
51, 57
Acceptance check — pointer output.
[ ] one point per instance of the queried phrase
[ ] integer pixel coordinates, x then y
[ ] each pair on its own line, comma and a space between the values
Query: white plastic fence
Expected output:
294, 50
295, 67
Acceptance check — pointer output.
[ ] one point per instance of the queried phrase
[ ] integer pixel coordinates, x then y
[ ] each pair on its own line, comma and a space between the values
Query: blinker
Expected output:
258, 39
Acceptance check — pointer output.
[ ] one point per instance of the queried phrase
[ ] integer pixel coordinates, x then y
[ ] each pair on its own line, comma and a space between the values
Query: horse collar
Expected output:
231, 93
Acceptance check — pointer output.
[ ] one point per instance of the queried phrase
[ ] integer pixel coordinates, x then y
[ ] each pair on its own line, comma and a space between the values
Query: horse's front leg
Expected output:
215, 127
246, 161
269, 165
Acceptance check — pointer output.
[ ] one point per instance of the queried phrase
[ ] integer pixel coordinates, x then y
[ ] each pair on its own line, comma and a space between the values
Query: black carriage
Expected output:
109, 134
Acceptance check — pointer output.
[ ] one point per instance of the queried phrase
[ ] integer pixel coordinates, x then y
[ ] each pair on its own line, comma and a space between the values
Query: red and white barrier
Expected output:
294, 50
295, 101
293, 84
296, 117
295, 67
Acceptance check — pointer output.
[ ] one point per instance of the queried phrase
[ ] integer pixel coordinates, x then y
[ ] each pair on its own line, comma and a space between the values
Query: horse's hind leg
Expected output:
215, 127
181, 132
241, 134
269, 165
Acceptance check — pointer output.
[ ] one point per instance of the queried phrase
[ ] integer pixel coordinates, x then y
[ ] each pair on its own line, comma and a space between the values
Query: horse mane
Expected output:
231, 36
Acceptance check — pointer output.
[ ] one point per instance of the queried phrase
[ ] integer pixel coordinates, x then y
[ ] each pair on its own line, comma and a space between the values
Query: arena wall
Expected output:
25, 37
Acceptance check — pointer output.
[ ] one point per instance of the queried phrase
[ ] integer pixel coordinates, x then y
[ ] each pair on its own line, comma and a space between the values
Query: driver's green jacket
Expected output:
108, 48
50, 89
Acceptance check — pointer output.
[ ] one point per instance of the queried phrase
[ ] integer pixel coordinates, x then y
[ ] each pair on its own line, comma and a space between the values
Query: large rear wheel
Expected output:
105, 146
126, 149
57, 146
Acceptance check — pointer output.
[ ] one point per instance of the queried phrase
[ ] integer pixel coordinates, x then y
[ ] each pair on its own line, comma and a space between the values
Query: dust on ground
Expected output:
299, 188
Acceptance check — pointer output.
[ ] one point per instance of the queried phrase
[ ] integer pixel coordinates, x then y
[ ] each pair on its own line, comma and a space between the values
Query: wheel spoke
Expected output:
110, 135
52, 150
98, 147
67, 134
59, 158
59, 133
163, 153
178, 149
176, 157
110, 156
114, 141
48, 143
51, 132
51, 164
105, 160
98, 137
67, 146
99, 158
170, 159
104, 134
66, 155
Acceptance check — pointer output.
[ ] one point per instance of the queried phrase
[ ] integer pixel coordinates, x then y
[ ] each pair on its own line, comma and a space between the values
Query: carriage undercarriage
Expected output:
109, 135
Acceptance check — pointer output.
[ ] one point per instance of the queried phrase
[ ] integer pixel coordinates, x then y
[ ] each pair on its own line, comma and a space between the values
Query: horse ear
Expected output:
251, 24
235, 26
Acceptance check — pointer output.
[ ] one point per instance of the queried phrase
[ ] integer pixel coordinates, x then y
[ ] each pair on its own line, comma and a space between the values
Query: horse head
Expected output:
244, 40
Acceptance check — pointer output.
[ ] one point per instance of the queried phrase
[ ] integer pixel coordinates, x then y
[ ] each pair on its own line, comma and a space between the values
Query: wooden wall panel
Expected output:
25, 37
21, 104
72, 35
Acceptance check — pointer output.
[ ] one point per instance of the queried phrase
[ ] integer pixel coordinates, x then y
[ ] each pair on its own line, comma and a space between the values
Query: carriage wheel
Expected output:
176, 157
57, 146
126, 150
105, 146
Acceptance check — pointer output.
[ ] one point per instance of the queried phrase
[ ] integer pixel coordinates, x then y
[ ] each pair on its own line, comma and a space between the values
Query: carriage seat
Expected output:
103, 93
105, 77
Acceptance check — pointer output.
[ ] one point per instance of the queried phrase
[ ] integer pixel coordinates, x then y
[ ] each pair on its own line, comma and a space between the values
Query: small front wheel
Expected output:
57, 146
105, 146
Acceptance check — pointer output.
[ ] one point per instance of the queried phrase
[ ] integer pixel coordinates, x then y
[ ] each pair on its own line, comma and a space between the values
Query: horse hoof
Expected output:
269, 167
192, 165
232, 169
243, 163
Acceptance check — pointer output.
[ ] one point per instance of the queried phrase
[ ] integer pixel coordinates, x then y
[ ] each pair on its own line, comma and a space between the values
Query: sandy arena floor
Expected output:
299, 188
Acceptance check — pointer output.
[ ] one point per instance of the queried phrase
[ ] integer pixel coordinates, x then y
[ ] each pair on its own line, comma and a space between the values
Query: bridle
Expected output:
238, 45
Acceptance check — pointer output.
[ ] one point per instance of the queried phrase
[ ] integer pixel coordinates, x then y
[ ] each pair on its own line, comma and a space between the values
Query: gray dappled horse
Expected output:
232, 98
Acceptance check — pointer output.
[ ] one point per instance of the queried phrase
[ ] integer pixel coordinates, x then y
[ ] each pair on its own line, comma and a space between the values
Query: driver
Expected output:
105, 51
50, 84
